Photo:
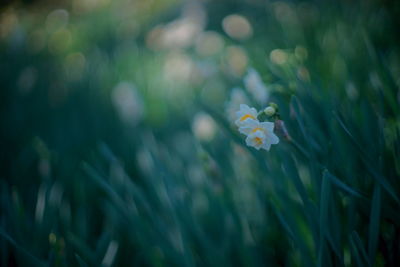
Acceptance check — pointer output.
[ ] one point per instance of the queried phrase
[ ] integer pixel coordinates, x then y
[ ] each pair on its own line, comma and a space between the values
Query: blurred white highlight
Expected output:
237, 27
204, 127
110, 254
128, 103
256, 86
237, 97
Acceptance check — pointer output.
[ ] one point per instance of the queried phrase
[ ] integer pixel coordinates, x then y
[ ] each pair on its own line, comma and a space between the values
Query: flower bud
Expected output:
272, 104
269, 111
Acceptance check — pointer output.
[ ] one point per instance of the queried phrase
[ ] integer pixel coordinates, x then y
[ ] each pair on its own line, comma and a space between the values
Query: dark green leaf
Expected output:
325, 197
374, 224
342, 185
29, 256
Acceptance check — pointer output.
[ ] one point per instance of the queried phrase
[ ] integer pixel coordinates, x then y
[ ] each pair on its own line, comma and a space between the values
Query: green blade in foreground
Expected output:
367, 162
323, 219
32, 259
344, 187
374, 224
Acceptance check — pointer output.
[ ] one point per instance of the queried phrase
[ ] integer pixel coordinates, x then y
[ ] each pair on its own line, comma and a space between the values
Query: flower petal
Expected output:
248, 125
273, 139
269, 126
267, 146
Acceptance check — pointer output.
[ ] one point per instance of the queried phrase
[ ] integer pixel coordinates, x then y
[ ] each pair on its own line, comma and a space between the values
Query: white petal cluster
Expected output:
256, 86
259, 134
245, 114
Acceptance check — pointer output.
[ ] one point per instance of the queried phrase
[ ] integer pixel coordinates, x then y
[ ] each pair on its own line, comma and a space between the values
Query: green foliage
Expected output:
85, 181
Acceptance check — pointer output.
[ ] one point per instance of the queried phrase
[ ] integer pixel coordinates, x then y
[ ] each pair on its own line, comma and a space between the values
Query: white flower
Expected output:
245, 114
259, 134
256, 86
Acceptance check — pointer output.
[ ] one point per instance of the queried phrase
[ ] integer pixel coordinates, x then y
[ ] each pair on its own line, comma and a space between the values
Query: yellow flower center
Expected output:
258, 140
256, 129
246, 117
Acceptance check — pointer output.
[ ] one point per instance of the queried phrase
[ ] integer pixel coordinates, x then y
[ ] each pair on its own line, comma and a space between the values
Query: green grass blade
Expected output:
82, 248
323, 219
374, 224
80, 261
344, 187
92, 173
368, 162
385, 184
290, 169
294, 102
31, 258
335, 231
360, 247
355, 254
309, 208
295, 236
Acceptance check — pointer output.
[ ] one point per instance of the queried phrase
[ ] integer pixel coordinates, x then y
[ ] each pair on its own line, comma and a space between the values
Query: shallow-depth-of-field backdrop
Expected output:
119, 147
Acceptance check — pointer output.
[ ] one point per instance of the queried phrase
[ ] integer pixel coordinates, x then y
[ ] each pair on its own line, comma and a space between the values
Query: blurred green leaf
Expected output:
374, 224
342, 185
369, 165
34, 261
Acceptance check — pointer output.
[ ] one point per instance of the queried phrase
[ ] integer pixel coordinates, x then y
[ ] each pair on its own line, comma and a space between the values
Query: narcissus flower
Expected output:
259, 134
245, 114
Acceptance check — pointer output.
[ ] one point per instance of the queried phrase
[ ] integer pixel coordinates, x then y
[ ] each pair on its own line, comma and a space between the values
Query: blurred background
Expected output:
118, 148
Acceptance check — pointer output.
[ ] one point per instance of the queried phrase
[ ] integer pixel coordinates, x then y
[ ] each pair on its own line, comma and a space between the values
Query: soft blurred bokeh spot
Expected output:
118, 145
